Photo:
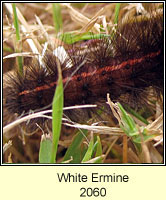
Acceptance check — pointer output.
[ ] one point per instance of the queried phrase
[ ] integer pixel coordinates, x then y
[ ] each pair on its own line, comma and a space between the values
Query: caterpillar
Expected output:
129, 62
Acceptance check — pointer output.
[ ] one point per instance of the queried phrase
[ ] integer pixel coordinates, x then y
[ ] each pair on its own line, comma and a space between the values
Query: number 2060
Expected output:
89, 192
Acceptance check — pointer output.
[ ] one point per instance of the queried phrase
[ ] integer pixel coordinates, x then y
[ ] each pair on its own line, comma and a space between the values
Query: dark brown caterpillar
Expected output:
127, 62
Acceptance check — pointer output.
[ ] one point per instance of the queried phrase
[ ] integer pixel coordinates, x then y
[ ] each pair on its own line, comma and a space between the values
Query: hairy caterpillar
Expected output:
129, 62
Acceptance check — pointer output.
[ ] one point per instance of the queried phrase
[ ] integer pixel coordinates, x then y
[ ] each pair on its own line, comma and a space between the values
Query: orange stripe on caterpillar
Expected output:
84, 75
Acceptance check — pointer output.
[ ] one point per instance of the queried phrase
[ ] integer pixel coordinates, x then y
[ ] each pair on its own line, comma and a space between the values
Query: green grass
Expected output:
75, 150
45, 150
57, 112
57, 17
131, 129
18, 39
117, 9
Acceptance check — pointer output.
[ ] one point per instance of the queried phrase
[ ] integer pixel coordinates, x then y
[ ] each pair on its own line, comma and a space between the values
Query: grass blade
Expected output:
89, 152
70, 38
57, 17
45, 149
18, 49
117, 9
129, 126
131, 129
135, 114
57, 107
99, 147
74, 149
